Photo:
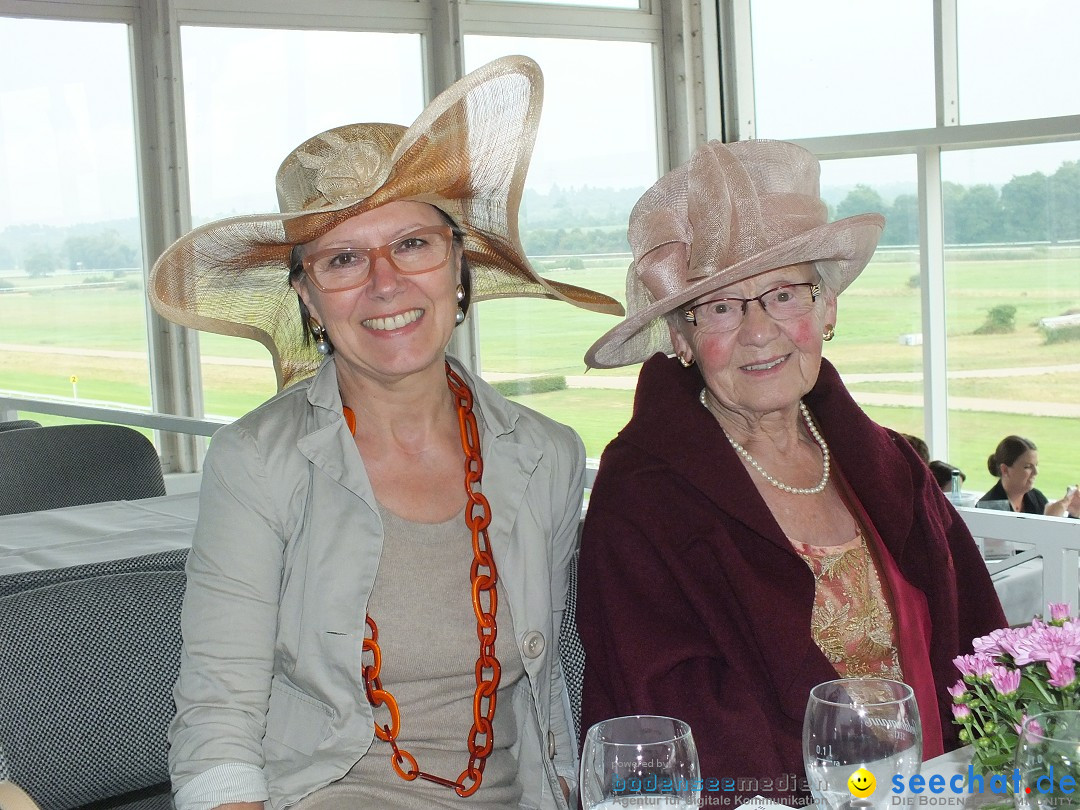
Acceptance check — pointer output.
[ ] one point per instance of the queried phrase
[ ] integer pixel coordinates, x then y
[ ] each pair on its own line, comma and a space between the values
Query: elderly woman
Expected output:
380, 565
1015, 461
751, 533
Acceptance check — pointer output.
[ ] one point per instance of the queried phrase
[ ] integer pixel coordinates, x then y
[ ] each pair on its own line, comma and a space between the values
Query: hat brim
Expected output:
467, 154
845, 246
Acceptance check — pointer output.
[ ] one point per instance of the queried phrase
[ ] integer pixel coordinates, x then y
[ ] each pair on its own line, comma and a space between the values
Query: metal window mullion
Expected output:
444, 63
175, 374
737, 69
946, 61
711, 76
677, 76
932, 275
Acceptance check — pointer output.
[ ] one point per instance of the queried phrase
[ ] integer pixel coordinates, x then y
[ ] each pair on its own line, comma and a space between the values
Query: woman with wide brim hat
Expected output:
380, 565
751, 532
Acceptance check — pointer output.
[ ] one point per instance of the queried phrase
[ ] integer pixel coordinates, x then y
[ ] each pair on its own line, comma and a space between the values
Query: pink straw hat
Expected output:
732, 212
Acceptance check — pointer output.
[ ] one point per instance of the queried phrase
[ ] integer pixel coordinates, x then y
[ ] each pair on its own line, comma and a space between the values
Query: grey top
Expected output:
422, 605
270, 700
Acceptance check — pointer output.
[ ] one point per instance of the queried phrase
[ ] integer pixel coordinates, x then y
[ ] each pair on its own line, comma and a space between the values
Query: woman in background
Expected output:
1015, 462
380, 565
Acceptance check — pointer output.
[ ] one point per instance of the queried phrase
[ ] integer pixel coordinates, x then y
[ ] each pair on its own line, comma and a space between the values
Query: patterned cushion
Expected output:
28, 580
88, 666
571, 650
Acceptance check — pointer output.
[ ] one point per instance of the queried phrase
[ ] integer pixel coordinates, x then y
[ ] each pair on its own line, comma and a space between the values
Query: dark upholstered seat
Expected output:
88, 659
69, 465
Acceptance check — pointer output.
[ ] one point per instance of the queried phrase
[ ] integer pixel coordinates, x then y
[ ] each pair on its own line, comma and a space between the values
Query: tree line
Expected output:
1033, 207
1029, 208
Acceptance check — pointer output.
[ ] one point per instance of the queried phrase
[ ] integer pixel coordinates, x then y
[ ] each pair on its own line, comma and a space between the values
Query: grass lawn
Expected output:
48, 322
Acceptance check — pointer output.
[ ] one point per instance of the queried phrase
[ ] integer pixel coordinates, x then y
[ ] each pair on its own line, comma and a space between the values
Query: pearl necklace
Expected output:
814, 490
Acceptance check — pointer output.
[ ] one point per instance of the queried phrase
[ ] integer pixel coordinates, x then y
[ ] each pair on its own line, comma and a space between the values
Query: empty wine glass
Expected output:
1048, 758
640, 761
860, 723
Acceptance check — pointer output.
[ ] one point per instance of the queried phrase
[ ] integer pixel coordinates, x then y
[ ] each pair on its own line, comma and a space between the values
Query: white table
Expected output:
97, 532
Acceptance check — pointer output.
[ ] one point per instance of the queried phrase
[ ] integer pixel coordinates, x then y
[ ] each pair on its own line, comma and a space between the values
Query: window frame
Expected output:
160, 133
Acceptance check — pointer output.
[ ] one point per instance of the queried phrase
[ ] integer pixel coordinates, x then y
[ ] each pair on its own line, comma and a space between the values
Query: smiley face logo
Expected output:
861, 783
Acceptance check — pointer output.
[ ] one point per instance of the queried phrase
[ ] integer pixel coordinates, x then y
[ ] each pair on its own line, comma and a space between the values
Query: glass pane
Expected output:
835, 67
595, 156
1014, 66
72, 311
245, 112
1012, 264
878, 344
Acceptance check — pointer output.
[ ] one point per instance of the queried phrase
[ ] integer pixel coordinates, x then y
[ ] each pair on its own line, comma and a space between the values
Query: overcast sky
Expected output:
66, 140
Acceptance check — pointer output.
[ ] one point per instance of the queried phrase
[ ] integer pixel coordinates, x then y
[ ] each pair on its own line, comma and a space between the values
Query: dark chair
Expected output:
19, 424
87, 665
69, 465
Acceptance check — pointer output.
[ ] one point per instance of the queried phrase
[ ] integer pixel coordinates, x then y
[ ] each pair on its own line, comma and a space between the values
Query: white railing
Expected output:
144, 418
1056, 541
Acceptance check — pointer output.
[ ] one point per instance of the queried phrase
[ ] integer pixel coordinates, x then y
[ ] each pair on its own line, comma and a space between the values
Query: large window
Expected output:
1012, 262
595, 155
223, 96
832, 67
964, 328
72, 312
1014, 66
246, 112
878, 343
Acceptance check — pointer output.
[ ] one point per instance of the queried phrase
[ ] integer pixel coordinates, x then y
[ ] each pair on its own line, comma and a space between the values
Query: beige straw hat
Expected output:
732, 212
467, 154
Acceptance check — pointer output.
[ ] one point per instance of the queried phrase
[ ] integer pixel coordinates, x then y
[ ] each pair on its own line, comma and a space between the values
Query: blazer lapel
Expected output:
328, 445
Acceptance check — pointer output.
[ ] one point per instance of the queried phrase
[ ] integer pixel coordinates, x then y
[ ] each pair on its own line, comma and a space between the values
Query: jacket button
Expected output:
533, 644
551, 745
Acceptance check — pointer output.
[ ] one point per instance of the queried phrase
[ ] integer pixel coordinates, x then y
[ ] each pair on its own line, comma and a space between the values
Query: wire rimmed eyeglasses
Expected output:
781, 303
337, 269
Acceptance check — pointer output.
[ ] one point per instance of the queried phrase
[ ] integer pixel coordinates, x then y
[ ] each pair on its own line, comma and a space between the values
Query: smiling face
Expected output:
393, 324
861, 783
764, 365
1019, 477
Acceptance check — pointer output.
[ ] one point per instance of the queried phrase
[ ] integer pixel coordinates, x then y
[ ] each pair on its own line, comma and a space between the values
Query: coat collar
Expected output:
670, 424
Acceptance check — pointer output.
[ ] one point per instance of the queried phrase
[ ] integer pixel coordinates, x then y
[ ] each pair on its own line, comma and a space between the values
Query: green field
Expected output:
58, 327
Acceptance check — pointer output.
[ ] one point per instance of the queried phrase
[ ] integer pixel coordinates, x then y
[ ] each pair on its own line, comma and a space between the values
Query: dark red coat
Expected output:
692, 603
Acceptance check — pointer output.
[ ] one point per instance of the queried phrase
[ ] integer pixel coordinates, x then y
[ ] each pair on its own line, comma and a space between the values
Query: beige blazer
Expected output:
270, 700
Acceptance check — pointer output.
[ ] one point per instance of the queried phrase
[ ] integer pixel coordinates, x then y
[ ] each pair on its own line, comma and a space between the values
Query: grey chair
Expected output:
69, 465
19, 424
87, 665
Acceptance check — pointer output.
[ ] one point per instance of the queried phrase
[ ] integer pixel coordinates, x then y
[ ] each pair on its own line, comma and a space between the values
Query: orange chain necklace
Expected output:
484, 576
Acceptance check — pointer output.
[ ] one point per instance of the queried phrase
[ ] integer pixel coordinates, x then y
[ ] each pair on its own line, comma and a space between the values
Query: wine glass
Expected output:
640, 761
1048, 759
860, 723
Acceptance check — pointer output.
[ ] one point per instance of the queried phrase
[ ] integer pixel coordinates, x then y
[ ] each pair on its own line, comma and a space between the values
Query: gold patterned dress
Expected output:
851, 621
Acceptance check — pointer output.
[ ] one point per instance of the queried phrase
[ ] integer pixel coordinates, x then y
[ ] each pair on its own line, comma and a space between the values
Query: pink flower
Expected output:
999, 642
1005, 681
974, 666
961, 712
1059, 611
1033, 728
958, 690
1044, 640
1062, 671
